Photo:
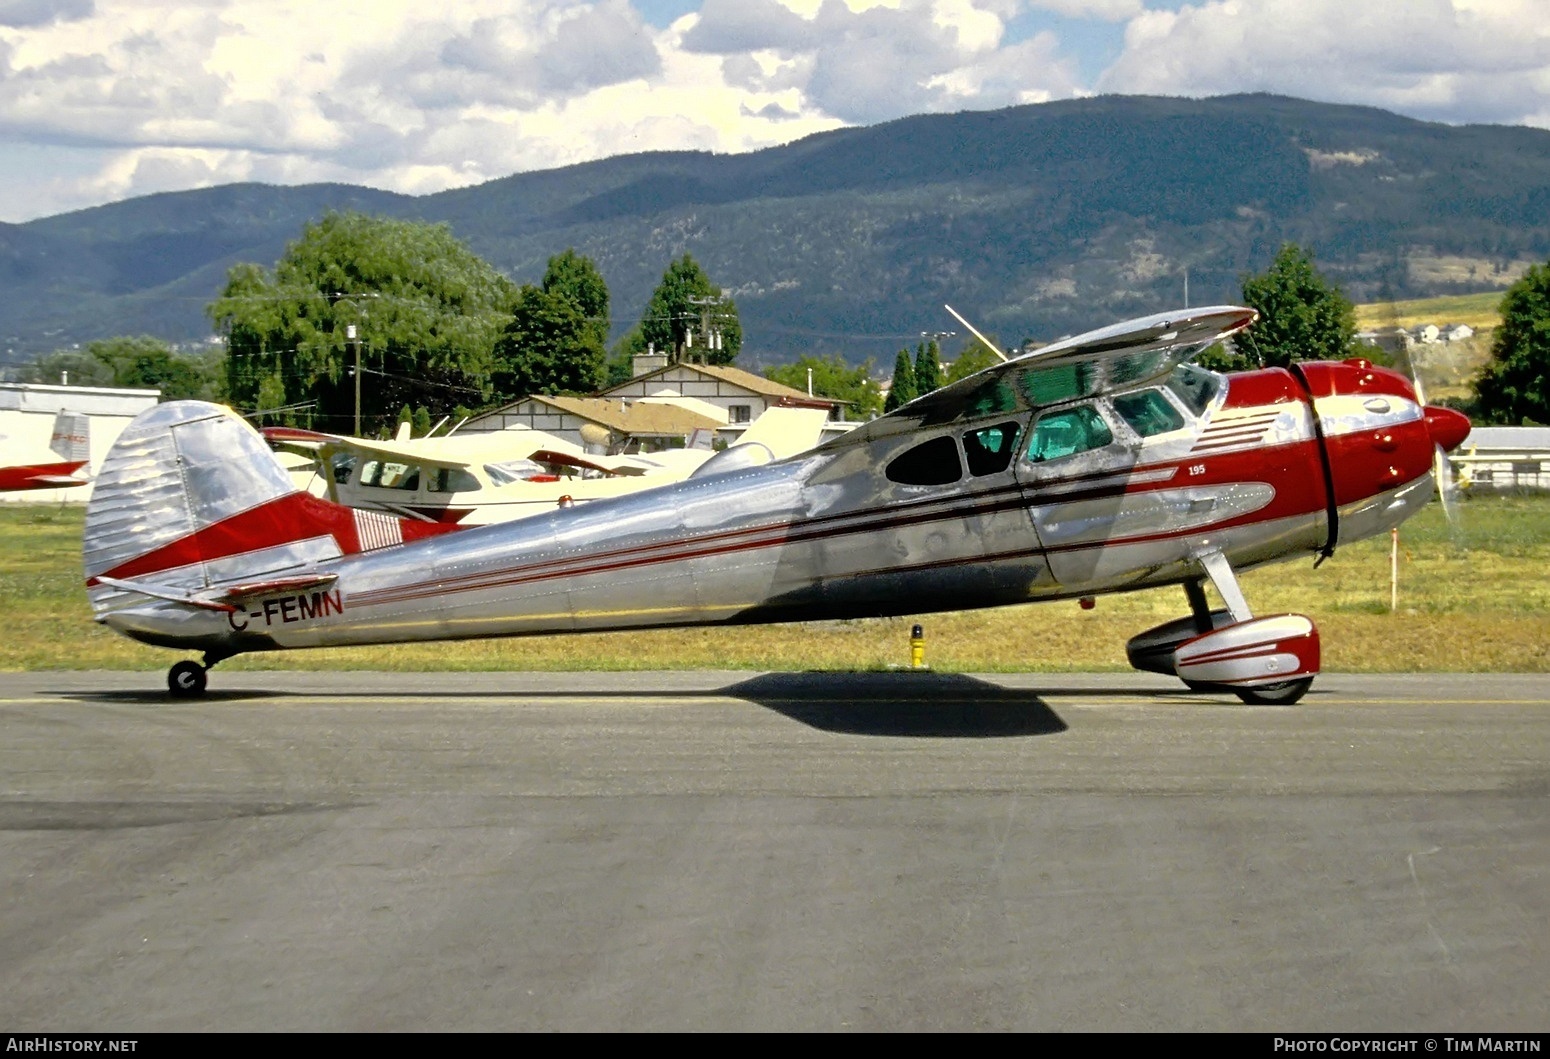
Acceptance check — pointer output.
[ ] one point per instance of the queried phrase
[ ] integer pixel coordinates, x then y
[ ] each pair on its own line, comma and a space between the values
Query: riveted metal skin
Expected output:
1104, 463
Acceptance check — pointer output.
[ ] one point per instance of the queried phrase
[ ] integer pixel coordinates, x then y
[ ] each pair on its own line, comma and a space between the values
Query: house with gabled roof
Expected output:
608, 423
663, 406
743, 395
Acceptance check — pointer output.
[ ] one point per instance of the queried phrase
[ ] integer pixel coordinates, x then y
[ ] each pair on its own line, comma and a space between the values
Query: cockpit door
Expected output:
1073, 469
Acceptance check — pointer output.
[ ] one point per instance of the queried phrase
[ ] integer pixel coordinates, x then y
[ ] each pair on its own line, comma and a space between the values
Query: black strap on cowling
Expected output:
1332, 511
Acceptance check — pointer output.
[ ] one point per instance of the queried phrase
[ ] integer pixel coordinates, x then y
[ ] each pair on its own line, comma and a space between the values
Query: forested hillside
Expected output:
1034, 221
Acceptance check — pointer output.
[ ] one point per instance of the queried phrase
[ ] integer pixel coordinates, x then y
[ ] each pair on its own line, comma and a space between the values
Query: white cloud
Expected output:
864, 62
1452, 61
106, 98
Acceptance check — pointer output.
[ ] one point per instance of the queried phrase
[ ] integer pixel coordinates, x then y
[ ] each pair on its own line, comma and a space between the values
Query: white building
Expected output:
27, 412
663, 406
742, 395
603, 423
1503, 458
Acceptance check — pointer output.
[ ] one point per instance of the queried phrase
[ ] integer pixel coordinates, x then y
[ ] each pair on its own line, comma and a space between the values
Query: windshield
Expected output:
1195, 386
513, 471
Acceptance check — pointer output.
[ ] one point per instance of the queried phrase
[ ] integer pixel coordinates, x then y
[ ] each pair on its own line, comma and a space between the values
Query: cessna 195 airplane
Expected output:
70, 447
1102, 463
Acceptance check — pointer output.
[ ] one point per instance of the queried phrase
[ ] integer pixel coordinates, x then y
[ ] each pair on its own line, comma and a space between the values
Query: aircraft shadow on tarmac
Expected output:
941, 705
922, 704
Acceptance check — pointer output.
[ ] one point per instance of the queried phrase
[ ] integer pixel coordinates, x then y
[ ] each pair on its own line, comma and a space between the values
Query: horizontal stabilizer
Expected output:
224, 596
233, 593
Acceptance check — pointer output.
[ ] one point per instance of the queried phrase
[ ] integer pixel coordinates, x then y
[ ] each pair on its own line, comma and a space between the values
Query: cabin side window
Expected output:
933, 462
1062, 434
342, 465
451, 480
386, 474
1148, 412
989, 449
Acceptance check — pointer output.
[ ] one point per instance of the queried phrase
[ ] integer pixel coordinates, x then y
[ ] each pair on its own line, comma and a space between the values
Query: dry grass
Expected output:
1469, 601
1480, 311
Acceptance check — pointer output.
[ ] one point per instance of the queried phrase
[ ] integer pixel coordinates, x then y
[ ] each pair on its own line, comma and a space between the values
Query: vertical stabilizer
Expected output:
71, 440
191, 498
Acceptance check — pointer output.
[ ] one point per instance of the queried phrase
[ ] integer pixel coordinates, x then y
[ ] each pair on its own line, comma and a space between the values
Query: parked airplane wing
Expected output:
458, 451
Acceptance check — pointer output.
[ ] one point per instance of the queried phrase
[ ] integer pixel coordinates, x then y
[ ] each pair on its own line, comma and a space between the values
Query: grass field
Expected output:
1474, 599
1480, 311
1447, 369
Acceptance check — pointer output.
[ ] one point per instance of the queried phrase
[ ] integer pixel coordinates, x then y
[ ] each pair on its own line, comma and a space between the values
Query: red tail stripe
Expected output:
284, 520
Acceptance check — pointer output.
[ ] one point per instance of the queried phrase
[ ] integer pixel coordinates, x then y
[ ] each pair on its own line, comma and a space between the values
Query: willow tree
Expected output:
415, 308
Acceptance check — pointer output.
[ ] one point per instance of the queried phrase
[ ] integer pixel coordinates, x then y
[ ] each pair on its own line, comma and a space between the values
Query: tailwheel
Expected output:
186, 680
1283, 694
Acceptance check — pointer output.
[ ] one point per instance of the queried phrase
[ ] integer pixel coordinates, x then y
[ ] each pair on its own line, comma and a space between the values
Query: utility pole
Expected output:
712, 336
349, 334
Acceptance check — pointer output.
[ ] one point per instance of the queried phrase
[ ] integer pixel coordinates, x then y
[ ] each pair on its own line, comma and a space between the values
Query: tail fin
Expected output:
191, 503
72, 437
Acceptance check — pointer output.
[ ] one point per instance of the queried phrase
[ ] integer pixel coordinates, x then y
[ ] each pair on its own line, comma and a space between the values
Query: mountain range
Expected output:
1034, 221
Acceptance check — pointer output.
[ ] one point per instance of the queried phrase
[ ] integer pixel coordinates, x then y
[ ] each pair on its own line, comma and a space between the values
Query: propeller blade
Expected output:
1442, 470
1447, 488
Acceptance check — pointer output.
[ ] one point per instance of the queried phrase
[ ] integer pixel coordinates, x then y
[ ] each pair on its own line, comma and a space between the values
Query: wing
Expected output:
462, 451
425, 453
1123, 356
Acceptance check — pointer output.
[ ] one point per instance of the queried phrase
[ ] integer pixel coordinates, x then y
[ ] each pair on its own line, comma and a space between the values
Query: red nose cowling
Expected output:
1447, 427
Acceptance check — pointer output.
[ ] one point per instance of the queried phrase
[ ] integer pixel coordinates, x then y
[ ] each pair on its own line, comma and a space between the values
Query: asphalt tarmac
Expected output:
745, 852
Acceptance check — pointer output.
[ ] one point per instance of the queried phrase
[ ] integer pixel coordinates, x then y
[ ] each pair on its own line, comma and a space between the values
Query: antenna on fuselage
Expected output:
988, 343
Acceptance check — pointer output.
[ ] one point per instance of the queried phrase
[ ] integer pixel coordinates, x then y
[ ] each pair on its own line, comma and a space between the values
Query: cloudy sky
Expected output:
102, 100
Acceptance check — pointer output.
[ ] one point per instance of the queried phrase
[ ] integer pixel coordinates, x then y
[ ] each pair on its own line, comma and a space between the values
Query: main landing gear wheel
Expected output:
1275, 694
186, 680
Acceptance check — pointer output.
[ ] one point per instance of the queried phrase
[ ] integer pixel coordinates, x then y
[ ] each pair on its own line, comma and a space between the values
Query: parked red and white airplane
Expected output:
1102, 463
70, 447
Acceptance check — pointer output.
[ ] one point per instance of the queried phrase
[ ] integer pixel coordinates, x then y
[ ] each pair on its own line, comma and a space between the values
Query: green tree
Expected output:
425, 312
576, 277
1301, 315
902, 391
689, 318
834, 378
138, 362
1514, 385
549, 347
976, 356
928, 367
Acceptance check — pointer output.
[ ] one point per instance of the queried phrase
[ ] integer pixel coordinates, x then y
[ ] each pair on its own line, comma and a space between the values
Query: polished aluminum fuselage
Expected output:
821, 536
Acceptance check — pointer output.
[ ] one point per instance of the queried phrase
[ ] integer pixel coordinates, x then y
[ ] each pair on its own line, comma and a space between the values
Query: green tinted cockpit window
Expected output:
1148, 412
989, 449
1058, 382
1066, 433
1133, 366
